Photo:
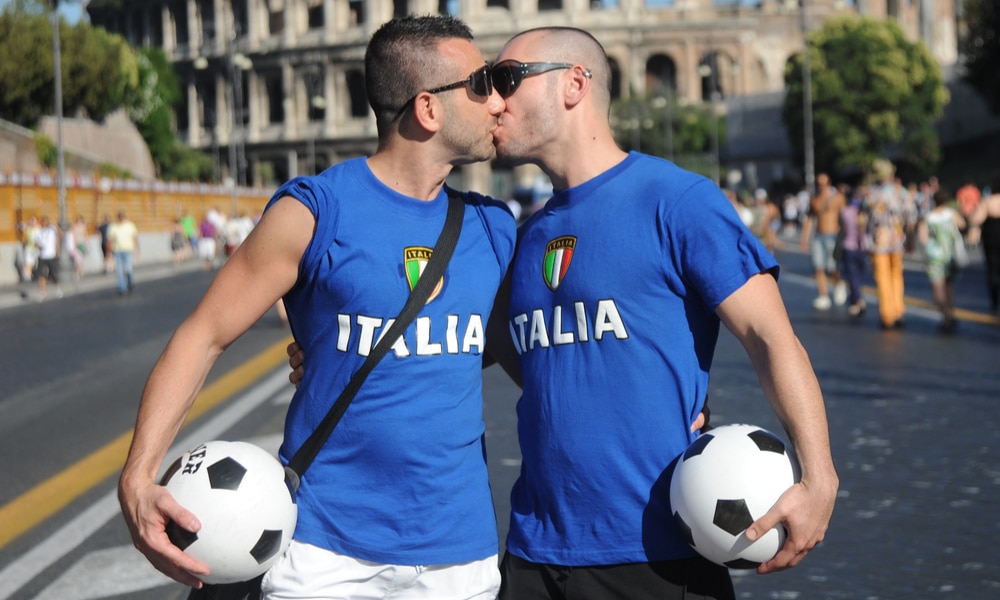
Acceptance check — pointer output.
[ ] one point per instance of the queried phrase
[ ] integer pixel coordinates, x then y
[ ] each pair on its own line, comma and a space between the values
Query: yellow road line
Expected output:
960, 313
47, 498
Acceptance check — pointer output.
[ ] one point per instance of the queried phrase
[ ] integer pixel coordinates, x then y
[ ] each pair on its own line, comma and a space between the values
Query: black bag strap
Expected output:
433, 271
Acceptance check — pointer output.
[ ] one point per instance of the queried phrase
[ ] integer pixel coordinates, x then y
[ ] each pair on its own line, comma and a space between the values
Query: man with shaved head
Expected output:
610, 317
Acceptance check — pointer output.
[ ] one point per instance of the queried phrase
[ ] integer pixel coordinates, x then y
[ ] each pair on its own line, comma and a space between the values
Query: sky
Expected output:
71, 11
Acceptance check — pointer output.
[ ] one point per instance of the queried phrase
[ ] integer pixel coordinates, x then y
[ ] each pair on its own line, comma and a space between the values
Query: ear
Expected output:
578, 85
427, 111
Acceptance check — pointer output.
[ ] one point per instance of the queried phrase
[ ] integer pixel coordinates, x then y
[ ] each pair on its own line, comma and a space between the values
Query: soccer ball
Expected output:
728, 478
247, 511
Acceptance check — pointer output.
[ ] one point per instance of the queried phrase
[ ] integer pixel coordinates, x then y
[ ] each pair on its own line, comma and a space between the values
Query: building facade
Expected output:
275, 88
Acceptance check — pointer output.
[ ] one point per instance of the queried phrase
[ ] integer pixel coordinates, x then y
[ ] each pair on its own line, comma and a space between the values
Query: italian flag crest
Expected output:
414, 261
558, 255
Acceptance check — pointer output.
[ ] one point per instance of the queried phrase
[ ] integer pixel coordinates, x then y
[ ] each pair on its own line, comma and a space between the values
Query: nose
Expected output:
496, 103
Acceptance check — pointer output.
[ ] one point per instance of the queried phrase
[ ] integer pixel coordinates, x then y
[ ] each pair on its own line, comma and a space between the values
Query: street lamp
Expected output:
315, 111
60, 156
807, 117
706, 70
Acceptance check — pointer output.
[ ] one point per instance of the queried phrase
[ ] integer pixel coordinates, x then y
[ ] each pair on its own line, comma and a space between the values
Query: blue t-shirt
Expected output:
615, 284
403, 478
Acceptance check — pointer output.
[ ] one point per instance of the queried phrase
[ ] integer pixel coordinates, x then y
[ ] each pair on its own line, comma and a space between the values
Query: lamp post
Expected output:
709, 70
809, 167
315, 110
60, 156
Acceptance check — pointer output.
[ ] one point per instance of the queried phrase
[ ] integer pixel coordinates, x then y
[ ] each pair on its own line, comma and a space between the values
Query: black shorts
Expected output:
48, 267
688, 579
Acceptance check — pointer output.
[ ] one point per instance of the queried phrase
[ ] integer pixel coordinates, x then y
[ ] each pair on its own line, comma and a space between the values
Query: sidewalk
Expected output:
20, 294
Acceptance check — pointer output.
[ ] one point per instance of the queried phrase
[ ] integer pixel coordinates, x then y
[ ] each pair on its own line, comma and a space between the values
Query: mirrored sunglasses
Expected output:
508, 74
479, 83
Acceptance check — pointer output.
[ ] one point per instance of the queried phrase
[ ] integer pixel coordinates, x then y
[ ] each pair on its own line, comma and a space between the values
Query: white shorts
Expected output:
306, 571
206, 248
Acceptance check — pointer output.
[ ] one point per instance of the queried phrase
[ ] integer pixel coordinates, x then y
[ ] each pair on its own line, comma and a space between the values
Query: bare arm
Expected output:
756, 315
263, 269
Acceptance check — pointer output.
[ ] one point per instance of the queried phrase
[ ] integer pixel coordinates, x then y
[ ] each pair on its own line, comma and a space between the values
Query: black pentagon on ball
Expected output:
268, 544
685, 529
180, 537
227, 474
698, 446
732, 516
767, 442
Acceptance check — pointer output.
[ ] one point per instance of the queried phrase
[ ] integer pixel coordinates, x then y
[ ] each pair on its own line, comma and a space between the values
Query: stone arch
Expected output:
661, 74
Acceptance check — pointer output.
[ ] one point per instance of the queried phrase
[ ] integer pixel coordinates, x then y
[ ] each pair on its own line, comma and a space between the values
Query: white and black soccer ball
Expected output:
728, 478
247, 510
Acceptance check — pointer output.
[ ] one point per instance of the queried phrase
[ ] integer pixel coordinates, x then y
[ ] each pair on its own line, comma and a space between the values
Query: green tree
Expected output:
639, 123
980, 48
98, 68
873, 91
150, 108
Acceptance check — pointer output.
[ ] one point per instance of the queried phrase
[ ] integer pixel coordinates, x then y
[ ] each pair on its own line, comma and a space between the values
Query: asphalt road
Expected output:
913, 418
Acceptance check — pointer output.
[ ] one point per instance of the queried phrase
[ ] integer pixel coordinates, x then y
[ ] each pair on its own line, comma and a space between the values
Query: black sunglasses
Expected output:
508, 74
479, 83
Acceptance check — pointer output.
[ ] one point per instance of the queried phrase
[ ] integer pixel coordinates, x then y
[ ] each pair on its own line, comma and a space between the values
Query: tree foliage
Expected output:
980, 47
874, 93
100, 74
640, 123
98, 68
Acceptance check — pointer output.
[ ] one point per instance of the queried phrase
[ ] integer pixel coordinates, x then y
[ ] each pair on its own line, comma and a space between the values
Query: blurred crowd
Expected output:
846, 229
45, 250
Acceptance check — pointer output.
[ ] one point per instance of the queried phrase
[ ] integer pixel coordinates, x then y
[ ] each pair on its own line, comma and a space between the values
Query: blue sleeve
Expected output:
715, 252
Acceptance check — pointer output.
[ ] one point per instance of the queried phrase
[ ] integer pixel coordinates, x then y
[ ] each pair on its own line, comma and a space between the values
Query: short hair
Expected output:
576, 46
401, 56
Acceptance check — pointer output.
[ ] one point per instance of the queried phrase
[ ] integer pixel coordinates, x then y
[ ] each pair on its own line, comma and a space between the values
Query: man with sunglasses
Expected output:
398, 501
609, 317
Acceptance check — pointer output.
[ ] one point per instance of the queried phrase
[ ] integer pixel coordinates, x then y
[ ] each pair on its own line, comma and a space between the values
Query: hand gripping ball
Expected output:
728, 478
247, 511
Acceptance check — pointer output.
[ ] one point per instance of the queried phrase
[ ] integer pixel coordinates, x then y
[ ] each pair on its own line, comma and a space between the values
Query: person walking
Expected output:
984, 228
824, 219
397, 503
890, 220
939, 232
47, 239
123, 240
108, 255
855, 251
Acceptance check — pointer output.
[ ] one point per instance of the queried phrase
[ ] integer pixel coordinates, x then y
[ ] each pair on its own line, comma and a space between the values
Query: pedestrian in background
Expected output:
109, 257
824, 220
123, 239
854, 251
984, 227
47, 239
939, 232
890, 221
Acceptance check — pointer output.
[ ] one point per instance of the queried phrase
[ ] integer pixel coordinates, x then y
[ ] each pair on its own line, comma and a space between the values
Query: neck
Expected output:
410, 172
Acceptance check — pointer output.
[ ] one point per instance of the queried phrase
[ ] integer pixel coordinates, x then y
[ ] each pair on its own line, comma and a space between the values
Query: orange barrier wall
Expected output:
153, 206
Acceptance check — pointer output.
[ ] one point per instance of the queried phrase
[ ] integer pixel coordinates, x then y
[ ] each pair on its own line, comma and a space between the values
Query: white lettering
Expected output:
451, 335
475, 336
539, 334
368, 326
608, 320
560, 337
424, 346
344, 332
581, 321
531, 331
